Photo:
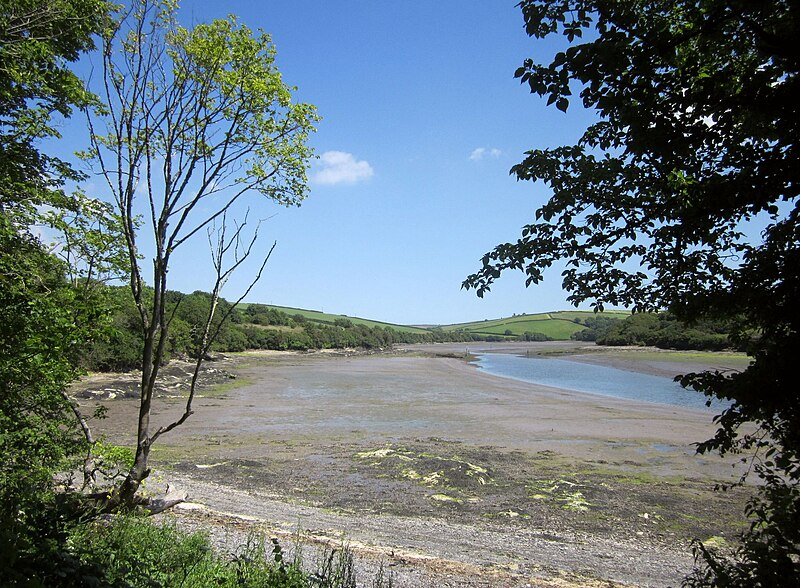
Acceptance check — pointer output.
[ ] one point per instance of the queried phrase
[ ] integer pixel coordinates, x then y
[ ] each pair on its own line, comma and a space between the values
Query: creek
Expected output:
593, 379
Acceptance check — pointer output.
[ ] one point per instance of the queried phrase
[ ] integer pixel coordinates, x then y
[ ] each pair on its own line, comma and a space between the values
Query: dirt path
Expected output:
448, 475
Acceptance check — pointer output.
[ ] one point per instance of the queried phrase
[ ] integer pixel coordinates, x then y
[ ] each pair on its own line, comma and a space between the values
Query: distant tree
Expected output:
535, 336
660, 202
596, 328
194, 120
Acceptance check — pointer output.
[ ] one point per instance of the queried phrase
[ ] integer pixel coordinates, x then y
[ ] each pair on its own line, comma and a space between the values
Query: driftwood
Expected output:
171, 498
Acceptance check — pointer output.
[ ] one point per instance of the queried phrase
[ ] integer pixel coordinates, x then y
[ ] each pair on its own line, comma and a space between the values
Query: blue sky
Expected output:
422, 120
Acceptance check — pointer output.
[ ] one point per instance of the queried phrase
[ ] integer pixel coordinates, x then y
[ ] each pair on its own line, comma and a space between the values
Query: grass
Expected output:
729, 358
134, 551
557, 325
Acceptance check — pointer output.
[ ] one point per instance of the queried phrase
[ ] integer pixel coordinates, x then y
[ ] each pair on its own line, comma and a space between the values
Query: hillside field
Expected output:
556, 325
559, 325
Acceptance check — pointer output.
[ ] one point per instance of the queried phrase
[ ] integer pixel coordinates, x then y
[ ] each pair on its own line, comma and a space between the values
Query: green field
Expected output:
557, 325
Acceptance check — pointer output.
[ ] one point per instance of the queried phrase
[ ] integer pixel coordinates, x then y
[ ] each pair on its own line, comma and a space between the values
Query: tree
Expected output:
50, 308
194, 121
37, 41
684, 196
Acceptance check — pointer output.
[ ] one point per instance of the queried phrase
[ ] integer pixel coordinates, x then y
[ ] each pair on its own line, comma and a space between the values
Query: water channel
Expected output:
593, 379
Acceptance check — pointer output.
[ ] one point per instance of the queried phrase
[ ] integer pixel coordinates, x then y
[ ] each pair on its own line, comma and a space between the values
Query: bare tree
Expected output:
194, 122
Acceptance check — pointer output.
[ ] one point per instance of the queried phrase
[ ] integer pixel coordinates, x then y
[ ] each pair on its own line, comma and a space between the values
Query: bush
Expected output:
661, 330
535, 336
135, 552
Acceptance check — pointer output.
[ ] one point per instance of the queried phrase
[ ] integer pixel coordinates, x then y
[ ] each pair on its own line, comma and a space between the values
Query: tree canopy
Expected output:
682, 196
194, 120
38, 40
49, 310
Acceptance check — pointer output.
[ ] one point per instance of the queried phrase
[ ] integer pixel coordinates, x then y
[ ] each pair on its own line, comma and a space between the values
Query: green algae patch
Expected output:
452, 473
507, 514
411, 474
562, 493
446, 498
715, 542
378, 453
224, 387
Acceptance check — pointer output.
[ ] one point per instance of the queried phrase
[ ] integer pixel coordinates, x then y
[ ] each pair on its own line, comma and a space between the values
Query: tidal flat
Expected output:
454, 476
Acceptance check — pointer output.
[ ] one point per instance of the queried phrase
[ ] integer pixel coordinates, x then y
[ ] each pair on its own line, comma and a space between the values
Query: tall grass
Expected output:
134, 552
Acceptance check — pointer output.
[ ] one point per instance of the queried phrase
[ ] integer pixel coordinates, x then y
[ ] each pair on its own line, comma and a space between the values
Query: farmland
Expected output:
556, 325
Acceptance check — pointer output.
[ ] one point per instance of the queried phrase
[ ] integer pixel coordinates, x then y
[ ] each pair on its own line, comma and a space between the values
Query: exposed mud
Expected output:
447, 475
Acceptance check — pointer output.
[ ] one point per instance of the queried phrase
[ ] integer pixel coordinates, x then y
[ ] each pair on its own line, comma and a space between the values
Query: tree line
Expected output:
247, 327
663, 330
259, 326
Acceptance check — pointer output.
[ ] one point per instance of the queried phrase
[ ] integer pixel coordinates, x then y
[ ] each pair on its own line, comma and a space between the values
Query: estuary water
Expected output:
593, 379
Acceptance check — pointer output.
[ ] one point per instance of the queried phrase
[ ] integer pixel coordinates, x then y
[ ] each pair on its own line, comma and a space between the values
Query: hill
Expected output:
324, 318
558, 325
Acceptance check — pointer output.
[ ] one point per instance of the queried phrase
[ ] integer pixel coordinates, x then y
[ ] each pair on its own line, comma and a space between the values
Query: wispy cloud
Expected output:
483, 153
340, 167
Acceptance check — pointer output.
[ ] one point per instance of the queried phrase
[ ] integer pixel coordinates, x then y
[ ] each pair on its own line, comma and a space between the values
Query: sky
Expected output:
422, 120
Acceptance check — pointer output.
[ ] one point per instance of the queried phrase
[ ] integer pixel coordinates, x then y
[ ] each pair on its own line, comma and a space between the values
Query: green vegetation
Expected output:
662, 330
49, 306
136, 553
259, 326
331, 319
682, 194
246, 327
557, 326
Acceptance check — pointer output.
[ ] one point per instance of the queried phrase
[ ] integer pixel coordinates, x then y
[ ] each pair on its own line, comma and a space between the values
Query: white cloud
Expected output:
483, 152
340, 167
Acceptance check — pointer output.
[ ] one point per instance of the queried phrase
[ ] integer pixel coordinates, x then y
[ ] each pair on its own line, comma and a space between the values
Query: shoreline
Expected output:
549, 484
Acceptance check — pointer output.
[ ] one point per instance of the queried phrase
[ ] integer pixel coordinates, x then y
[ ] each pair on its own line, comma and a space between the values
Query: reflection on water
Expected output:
594, 379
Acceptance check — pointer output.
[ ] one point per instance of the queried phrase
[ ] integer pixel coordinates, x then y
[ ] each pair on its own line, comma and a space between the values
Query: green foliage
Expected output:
683, 195
665, 331
138, 553
555, 325
596, 328
330, 319
38, 38
46, 322
111, 457
768, 554
535, 336
50, 309
255, 326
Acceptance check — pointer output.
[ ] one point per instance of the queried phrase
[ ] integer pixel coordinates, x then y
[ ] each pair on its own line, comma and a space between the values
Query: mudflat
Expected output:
450, 475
